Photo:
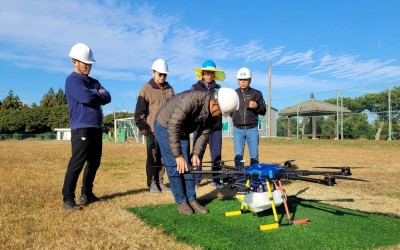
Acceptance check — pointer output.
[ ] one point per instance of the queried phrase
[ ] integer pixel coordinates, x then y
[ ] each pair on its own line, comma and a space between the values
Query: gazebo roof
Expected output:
312, 107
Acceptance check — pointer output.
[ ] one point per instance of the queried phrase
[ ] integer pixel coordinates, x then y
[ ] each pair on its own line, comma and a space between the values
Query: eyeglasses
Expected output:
162, 75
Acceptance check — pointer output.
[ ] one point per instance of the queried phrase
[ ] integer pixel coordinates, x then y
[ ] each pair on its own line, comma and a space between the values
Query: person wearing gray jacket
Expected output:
180, 116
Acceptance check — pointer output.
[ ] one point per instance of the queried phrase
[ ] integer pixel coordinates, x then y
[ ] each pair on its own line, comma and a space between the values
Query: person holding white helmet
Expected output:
180, 116
85, 97
245, 119
206, 81
152, 96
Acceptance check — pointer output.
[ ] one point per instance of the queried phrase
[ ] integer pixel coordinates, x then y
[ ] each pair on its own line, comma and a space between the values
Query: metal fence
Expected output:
378, 124
127, 131
17, 136
381, 124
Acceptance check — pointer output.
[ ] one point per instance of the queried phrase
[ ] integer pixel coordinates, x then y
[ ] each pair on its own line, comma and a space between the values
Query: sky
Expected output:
312, 45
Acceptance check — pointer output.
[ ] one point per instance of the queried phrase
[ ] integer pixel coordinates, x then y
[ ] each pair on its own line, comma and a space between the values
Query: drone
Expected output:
259, 186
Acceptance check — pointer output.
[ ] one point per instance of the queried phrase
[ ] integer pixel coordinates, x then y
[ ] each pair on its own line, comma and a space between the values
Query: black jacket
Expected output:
245, 118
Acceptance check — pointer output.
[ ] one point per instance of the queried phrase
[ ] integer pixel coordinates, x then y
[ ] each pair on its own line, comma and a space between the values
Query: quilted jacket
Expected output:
183, 114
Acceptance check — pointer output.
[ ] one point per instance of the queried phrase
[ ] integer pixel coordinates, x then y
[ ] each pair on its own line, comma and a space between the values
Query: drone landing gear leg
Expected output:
271, 198
242, 207
296, 222
235, 213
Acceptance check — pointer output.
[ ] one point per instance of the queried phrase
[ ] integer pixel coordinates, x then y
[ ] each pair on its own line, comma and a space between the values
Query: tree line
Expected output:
51, 113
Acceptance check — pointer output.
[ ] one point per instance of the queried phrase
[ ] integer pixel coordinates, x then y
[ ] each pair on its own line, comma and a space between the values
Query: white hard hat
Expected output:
228, 100
243, 73
160, 66
82, 52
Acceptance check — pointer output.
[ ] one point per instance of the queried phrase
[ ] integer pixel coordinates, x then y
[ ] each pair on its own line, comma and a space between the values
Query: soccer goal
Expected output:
125, 130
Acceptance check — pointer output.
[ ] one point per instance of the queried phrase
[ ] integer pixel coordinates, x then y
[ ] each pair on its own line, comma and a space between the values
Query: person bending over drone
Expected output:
180, 116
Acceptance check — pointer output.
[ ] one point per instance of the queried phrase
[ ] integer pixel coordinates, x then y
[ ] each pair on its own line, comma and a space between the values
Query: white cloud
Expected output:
348, 67
126, 37
300, 59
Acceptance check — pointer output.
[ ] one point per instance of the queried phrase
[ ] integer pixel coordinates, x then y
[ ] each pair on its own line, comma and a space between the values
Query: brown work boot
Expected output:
197, 207
184, 208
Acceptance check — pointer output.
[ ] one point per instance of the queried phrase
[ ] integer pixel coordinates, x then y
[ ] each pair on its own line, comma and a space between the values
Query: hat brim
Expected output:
219, 74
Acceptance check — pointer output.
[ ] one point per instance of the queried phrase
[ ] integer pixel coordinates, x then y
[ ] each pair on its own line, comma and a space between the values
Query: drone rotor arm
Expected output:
326, 181
307, 172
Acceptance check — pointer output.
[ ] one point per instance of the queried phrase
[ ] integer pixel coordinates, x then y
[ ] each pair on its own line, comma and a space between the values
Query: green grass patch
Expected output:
394, 195
330, 227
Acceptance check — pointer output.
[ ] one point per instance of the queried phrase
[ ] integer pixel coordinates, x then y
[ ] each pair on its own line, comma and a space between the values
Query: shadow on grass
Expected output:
122, 194
292, 201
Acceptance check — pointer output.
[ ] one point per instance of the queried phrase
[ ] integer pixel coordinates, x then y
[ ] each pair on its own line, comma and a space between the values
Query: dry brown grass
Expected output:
32, 172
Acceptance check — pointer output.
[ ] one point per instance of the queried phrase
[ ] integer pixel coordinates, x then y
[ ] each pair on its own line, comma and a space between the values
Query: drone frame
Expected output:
274, 174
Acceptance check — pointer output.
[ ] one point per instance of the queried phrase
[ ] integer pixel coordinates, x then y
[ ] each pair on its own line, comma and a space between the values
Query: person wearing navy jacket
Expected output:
85, 97
206, 76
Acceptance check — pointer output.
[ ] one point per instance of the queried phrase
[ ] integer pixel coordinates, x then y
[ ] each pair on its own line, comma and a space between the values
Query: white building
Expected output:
63, 134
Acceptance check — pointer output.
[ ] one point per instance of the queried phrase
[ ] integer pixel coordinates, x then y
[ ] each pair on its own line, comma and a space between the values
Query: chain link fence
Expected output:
373, 113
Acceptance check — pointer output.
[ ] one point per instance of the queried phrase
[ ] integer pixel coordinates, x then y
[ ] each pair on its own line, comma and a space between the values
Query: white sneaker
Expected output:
163, 187
154, 189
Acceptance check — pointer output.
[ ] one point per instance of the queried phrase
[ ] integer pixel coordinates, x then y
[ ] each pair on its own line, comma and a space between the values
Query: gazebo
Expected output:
312, 108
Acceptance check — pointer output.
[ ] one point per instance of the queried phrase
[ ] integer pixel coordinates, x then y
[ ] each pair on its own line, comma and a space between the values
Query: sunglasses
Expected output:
162, 74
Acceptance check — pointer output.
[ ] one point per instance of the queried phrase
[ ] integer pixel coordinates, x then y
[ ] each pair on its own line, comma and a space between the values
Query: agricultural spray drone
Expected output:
259, 187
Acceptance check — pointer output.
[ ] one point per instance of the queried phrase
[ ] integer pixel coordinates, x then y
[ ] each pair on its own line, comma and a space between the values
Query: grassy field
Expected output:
32, 172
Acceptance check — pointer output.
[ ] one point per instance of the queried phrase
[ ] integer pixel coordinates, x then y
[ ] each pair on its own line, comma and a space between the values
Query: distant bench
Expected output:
321, 136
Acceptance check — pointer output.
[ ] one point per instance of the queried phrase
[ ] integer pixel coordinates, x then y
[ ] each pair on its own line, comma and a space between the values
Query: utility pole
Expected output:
269, 99
115, 128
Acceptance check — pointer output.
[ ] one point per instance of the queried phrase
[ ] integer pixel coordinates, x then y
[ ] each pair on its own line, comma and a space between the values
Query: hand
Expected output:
181, 165
196, 161
253, 105
143, 132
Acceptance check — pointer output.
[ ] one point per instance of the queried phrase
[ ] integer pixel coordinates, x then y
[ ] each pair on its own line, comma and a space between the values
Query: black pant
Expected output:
87, 147
154, 174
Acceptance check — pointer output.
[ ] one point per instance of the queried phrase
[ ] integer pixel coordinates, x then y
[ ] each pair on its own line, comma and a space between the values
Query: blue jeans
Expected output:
240, 136
182, 185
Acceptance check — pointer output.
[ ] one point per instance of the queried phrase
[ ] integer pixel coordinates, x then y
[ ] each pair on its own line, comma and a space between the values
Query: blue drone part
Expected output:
264, 170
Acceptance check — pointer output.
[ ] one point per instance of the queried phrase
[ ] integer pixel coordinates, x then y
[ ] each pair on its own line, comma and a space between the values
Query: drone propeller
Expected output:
334, 167
220, 167
219, 161
348, 178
